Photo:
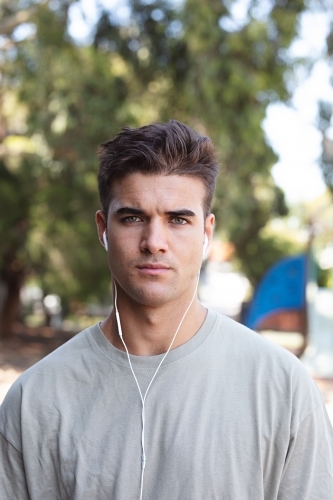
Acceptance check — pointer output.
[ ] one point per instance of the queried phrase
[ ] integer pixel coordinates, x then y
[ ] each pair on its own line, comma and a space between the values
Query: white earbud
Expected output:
205, 245
105, 241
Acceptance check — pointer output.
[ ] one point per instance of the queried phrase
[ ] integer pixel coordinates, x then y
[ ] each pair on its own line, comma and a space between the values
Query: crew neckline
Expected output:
150, 362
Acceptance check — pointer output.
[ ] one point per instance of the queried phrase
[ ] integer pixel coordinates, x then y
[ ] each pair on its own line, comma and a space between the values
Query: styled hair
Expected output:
161, 148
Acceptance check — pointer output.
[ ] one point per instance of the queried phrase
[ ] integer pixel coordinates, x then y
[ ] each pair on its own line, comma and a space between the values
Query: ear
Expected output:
100, 219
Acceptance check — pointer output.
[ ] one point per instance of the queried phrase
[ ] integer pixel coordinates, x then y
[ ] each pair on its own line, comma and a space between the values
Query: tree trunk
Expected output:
13, 283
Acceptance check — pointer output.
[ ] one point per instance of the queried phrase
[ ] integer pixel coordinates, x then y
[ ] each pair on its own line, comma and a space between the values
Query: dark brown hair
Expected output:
161, 148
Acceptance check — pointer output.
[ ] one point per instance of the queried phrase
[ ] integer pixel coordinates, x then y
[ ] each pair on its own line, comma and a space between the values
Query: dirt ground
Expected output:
28, 347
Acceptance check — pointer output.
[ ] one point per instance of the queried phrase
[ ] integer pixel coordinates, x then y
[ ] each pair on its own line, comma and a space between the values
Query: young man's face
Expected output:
155, 232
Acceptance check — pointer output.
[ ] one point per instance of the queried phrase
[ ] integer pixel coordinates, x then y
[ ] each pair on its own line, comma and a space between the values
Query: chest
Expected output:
201, 441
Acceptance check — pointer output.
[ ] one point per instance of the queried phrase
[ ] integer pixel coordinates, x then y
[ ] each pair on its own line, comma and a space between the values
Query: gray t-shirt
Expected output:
230, 416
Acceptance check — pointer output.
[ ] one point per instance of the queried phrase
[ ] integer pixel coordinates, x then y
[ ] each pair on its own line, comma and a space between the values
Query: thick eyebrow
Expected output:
129, 210
182, 212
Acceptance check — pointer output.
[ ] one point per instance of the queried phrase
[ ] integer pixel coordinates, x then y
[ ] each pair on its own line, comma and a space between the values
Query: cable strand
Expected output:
143, 398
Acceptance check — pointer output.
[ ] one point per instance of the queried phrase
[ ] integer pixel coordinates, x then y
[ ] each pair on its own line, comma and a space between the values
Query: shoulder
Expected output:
245, 343
45, 381
66, 357
275, 373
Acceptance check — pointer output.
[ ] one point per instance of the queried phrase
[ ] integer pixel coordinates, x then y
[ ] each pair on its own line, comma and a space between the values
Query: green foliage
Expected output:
15, 201
220, 82
234, 75
70, 94
163, 63
324, 277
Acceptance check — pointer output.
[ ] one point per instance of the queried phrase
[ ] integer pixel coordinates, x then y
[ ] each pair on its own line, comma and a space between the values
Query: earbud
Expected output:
205, 245
105, 241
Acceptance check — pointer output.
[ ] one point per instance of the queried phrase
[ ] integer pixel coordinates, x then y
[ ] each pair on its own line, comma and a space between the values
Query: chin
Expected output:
154, 296
153, 299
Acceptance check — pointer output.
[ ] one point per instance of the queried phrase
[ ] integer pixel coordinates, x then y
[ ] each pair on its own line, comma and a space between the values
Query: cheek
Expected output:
122, 253
116, 254
191, 257
127, 240
120, 244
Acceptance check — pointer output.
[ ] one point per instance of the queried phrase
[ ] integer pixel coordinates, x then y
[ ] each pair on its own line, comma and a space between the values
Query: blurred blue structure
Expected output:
282, 288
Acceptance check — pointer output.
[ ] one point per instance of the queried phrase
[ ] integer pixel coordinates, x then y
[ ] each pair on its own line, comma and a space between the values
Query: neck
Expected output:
148, 330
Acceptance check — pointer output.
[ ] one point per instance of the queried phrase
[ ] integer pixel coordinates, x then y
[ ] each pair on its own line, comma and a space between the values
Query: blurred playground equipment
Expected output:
290, 308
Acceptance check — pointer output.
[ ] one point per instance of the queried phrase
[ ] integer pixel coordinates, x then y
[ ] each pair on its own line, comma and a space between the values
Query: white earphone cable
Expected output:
143, 398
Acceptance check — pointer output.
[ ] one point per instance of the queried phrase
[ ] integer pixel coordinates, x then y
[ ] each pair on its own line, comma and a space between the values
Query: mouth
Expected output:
153, 269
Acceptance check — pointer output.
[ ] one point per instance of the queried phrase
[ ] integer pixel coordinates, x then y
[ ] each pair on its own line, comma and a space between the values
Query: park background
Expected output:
255, 75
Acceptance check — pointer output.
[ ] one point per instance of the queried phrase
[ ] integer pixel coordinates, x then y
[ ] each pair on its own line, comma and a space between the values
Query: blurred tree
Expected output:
16, 174
15, 193
70, 101
237, 70
48, 187
203, 67
193, 62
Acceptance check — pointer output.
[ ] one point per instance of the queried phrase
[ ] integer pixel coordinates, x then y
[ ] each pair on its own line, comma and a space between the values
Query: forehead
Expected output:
158, 191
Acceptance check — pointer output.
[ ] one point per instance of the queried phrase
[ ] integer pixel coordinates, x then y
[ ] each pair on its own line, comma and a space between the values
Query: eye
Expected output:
179, 221
132, 218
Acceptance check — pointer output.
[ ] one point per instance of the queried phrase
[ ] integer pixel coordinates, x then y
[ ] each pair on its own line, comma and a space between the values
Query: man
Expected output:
164, 399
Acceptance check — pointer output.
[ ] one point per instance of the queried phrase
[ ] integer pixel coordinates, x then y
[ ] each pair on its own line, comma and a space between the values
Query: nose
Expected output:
154, 238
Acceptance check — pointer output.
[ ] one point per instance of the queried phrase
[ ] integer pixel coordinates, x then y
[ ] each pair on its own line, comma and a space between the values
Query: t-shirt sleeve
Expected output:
308, 471
12, 476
